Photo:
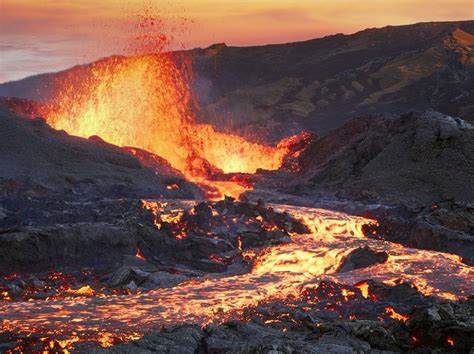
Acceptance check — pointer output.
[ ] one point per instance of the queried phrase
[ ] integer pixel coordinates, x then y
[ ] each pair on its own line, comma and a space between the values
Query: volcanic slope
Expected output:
37, 160
318, 85
415, 158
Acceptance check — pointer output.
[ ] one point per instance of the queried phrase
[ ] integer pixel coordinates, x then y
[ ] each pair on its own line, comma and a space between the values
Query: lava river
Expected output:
277, 273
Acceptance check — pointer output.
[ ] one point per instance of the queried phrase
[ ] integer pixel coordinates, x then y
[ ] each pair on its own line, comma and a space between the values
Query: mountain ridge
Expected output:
319, 84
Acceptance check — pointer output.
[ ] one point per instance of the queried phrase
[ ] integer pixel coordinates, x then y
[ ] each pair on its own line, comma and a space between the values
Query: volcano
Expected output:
131, 221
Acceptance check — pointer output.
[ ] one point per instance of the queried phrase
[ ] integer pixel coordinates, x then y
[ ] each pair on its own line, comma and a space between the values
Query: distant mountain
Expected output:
318, 85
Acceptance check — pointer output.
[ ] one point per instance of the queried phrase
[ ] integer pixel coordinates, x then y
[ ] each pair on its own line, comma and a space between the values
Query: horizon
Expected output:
217, 43
59, 34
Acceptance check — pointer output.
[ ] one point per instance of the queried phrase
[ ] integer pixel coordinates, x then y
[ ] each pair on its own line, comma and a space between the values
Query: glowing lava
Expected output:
144, 101
278, 273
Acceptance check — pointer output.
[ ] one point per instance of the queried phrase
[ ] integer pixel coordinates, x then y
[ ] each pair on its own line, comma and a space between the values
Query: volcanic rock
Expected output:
37, 160
182, 339
123, 235
254, 338
163, 280
444, 326
442, 226
434, 325
413, 159
362, 257
127, 275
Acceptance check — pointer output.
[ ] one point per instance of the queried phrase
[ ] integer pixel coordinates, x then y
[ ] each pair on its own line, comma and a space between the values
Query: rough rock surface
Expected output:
413, 159
37, 160
444, 226
362, 257
411, 172
184, 339
208, 237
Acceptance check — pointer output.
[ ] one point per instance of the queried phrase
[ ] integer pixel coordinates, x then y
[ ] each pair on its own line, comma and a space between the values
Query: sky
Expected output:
49, 35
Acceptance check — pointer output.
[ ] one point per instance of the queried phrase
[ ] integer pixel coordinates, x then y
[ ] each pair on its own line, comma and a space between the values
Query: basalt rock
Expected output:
440, 226
362, 257
414, 159
441, 327
123, 236
445, 325
182, 339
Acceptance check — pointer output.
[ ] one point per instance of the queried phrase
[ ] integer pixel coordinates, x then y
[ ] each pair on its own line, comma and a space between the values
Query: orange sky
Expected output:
47, 35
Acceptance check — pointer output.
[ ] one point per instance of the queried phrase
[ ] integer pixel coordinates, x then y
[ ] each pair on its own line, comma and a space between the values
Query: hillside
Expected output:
417, 158
319, 84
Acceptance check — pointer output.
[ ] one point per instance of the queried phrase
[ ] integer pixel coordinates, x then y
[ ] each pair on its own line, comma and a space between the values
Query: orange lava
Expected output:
279, 272
140, 255
86, 290
395, 315
145, 102
364, 289
450, 341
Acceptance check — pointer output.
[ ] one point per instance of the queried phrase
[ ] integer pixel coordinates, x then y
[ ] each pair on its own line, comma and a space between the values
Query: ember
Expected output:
450, 341
139, 255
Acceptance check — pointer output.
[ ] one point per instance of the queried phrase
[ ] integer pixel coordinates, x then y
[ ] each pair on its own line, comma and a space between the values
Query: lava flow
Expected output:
287, 271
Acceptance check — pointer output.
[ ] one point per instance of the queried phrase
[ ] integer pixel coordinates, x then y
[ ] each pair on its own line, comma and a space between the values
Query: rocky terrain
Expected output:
416, 159
315, 335
319, 84
92, 248
101, 252
120, 268
37, 160
410, 171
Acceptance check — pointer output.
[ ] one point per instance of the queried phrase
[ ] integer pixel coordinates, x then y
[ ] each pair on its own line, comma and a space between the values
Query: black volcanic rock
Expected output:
362, 257
38, 160
439, 328
414, 159
442, 226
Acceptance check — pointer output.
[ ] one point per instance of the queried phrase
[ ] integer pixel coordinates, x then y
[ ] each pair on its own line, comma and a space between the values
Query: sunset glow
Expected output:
51, 35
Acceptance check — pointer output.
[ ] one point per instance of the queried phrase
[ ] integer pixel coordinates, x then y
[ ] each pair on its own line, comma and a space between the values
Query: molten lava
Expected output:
145, 102
307, 265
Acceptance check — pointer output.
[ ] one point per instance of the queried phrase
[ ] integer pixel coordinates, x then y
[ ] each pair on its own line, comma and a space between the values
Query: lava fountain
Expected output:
144, 101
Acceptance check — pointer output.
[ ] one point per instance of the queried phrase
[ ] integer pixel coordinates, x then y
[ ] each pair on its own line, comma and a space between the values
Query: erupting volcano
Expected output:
132, 221
145, 102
